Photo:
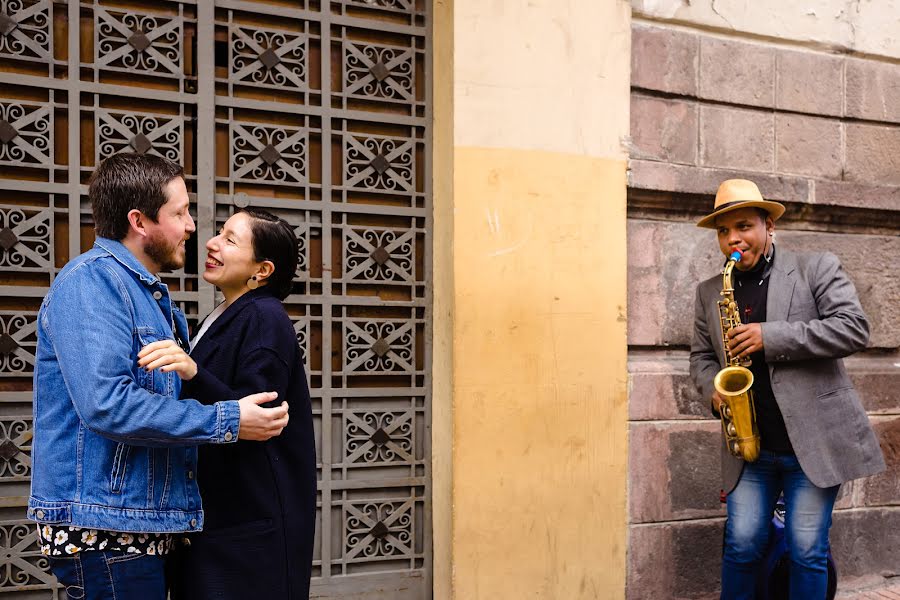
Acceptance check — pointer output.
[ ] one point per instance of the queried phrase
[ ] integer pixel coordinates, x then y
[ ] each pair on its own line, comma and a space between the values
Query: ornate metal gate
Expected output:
318, 110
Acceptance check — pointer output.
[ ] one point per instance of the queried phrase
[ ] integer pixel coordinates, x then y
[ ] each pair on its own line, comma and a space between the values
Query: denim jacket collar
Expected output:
121, 253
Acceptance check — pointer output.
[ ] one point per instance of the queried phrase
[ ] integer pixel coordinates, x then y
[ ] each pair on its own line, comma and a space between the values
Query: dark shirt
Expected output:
751, 290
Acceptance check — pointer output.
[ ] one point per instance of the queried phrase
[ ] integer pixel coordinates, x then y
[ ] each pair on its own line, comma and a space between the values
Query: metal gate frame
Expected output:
230, 89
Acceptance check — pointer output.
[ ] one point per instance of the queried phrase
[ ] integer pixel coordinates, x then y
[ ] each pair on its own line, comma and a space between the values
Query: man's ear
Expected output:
136, 221
264, 270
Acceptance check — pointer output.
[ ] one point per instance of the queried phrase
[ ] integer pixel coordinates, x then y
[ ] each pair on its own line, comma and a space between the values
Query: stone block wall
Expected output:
820, 132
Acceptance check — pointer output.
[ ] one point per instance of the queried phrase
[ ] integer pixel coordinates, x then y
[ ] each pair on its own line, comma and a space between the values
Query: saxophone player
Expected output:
800, 315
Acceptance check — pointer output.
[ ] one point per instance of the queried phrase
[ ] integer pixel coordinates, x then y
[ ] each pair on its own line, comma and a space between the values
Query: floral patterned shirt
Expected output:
63, 540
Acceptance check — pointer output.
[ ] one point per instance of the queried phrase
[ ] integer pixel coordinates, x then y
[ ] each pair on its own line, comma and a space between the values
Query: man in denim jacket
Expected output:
114, 452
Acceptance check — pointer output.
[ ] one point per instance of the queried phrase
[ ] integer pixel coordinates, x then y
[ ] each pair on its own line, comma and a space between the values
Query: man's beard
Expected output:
164, 254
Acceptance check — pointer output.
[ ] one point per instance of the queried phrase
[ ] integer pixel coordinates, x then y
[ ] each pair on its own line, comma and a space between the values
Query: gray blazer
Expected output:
813, 320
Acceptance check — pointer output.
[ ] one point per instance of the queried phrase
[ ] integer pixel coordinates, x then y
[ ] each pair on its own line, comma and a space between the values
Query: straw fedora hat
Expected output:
739, 193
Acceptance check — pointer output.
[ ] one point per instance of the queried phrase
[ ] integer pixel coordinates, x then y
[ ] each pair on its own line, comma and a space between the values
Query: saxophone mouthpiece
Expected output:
736, 255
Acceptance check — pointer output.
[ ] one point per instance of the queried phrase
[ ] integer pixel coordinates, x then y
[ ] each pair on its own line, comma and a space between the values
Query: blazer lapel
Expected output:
207, 343
781, 286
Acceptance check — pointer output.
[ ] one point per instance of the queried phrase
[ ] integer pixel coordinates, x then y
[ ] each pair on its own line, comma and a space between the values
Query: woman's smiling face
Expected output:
230, 259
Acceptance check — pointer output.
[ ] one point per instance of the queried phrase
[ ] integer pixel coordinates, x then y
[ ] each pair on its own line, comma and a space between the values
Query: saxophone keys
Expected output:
736, 449
731, 429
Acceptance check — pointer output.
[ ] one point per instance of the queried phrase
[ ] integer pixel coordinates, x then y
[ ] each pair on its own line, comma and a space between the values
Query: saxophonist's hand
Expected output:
716, 402
745, 340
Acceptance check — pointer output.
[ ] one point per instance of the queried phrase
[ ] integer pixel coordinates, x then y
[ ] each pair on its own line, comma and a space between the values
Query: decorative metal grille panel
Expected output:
317, 110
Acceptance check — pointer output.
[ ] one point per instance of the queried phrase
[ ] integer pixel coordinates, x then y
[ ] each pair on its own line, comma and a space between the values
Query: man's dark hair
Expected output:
129, 181
763, 214
274, 240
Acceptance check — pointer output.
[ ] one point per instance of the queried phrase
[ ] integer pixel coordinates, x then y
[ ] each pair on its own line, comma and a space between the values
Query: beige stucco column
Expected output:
529, 420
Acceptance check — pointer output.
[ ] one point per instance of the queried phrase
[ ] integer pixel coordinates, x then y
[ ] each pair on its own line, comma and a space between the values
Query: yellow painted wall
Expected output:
530, 478
539, 376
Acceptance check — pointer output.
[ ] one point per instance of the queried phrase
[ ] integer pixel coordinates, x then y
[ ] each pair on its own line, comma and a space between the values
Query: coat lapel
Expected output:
207, 344
781, 286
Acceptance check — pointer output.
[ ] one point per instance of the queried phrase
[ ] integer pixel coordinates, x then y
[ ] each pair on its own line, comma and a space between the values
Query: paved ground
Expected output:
890, 591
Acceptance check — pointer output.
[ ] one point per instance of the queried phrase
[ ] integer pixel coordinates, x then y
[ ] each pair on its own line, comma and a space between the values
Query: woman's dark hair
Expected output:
126, 181
274, 240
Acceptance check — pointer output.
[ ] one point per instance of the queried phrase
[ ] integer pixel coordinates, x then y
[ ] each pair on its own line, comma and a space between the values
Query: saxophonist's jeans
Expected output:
807, 520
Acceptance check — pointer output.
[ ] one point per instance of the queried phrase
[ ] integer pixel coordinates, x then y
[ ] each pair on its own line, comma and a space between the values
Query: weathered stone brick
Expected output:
666, 261
866, 541
647, 473
674, 470
845, 496
810, 82
661, 388
873, 154
677, 561
857, 195
881, 489
735, 138
737, 72
663, 129
664, 59
647, 175
650, 566
644, 329
877, 380
694, 466
697, 554
808, 146
873, 90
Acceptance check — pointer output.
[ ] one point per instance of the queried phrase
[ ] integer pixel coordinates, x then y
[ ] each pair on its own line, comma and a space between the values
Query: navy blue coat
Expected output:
259, 498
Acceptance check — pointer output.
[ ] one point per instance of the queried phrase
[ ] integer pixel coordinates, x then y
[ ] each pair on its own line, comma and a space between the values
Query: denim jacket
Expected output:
114, 448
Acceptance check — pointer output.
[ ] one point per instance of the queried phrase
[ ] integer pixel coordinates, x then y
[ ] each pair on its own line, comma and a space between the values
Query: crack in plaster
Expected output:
721, 16
851, 8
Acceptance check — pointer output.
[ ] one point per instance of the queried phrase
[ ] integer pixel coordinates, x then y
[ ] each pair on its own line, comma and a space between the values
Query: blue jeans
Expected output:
99, 575
807, 520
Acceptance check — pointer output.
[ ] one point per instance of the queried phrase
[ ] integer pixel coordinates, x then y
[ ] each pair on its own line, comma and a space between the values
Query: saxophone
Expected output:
734, 381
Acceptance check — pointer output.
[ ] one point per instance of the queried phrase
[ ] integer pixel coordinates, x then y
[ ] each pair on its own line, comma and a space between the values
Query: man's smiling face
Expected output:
747, 230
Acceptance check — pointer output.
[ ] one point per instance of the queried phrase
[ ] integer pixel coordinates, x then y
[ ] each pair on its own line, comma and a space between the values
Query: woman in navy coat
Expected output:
259, 498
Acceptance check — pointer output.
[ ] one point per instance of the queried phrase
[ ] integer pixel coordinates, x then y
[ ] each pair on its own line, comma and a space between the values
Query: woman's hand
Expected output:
166, 356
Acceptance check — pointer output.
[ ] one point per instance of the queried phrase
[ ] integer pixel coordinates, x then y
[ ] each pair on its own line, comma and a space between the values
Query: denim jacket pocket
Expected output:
154, 381
120, 463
